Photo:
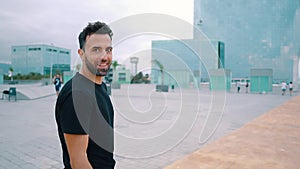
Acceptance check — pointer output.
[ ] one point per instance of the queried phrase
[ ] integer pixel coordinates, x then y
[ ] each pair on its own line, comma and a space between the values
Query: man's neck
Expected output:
91, 77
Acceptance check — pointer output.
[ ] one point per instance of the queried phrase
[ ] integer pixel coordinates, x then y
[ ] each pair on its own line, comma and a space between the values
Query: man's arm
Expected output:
77, 146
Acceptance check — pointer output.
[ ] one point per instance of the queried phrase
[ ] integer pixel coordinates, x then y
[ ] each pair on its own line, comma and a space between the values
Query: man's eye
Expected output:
109, 50
97, 50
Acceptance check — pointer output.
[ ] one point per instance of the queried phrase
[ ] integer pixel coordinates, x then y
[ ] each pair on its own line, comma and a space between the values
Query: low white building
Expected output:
121, 75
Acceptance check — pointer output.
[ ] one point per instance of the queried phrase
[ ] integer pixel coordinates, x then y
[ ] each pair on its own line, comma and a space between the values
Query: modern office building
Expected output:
186, 62
257, 34
40, 58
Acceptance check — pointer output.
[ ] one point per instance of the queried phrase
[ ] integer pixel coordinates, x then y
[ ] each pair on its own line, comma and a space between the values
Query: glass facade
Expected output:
40, 59
186, 62
257, 33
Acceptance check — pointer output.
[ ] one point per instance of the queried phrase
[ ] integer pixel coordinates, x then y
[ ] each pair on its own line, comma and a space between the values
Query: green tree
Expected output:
115, 64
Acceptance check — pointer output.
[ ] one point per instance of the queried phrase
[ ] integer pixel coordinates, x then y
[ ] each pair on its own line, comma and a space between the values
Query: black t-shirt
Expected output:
57, 82
84, 107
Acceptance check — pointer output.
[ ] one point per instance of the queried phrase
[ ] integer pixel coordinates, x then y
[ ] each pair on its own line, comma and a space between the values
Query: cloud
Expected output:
59, 22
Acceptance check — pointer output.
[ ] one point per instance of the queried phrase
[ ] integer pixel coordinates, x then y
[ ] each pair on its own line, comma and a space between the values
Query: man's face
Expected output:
97, 54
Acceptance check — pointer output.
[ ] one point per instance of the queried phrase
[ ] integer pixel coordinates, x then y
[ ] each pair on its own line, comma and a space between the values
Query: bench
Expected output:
12, 92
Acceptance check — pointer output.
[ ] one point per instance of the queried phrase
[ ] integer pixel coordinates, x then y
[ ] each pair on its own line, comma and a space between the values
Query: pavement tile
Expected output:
270, 141
28, 130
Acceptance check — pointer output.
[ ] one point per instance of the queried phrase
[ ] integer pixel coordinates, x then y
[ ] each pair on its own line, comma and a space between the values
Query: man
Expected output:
238, 87
291, 88
247, 85
84, 112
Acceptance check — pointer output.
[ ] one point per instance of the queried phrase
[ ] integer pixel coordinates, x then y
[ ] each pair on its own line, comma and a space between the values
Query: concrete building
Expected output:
261, 80
40, 58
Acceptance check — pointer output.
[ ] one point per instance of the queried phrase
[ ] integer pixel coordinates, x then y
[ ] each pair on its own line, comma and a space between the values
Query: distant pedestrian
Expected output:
283, 87
247, 85
291, 88
238, 85
57, 81
172, 87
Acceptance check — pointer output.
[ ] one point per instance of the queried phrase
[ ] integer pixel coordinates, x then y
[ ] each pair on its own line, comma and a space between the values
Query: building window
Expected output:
64, 52
34, 49
122, 77
51, 50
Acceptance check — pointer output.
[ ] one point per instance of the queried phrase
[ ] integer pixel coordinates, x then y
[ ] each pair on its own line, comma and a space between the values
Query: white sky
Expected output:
59, 22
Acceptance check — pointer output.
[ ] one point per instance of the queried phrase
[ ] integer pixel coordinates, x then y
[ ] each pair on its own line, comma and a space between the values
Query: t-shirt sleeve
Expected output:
75, 114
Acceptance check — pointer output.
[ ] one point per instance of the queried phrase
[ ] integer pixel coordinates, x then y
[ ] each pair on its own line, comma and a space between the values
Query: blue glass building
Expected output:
256, 33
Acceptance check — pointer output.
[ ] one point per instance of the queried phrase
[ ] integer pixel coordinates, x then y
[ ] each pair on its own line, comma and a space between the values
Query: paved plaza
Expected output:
153, 129
270, 141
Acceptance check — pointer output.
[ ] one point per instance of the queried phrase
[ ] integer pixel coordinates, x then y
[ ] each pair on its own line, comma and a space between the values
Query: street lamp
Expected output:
51, 64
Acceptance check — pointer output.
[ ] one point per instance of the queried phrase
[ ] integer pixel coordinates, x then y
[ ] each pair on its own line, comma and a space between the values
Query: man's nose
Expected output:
104, 54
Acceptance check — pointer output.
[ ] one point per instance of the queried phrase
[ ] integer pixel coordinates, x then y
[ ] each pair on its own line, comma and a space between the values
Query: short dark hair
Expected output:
93, 28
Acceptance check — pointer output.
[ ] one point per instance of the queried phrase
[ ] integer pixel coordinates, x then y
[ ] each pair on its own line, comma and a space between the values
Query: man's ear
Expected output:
80, 53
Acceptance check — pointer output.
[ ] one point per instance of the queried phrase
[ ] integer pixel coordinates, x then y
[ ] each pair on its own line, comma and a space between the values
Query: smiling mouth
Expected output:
102, 65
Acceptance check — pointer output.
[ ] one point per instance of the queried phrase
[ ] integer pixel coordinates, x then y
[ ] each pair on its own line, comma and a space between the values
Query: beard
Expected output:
93, 69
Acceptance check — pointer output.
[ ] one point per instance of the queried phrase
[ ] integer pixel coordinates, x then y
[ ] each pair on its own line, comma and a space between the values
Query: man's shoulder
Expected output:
76, 86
